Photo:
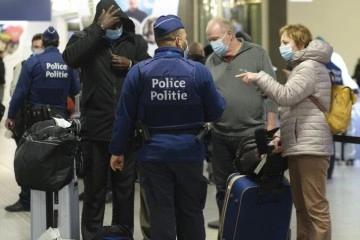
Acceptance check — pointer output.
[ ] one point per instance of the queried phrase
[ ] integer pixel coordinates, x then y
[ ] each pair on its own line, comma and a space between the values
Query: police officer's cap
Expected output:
50, 34
166, 24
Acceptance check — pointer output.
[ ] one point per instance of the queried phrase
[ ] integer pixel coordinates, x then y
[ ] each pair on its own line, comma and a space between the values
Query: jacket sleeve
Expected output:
141, 49
82, 45
16, 75
298, 87
22, 89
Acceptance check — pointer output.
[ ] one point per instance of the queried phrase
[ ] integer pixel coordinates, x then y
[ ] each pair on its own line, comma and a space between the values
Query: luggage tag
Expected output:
261, 163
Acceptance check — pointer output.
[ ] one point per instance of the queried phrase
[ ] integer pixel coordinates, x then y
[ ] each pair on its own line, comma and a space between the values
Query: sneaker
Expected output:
214, 224
17, 207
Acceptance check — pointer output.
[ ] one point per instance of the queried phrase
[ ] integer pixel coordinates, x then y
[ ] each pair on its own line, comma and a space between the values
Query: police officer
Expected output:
45, 82
23, 204
105, 51
173, 97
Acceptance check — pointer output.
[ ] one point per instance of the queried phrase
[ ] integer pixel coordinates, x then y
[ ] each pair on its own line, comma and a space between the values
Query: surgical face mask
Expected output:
219, 47
286, 52
114, 34
37, 51
186, 51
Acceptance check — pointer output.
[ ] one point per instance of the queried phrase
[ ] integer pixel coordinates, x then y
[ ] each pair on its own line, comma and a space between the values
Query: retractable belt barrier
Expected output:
346, 139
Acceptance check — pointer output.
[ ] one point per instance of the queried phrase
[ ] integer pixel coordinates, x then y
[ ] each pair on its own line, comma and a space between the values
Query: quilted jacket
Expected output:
303, 128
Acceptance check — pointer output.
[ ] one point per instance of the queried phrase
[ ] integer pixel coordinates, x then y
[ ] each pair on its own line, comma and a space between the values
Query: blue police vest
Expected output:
169, 98
52, 81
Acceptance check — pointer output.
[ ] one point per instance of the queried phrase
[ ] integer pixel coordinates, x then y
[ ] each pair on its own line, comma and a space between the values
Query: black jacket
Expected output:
90, 51
2, 71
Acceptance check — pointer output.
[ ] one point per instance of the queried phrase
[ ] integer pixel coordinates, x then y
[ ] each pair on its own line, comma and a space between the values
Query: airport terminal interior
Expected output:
250, 15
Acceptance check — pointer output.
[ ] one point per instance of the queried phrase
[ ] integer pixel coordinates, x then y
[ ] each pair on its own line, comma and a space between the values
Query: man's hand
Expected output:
117, 162
120, 63
107, 19
10, 123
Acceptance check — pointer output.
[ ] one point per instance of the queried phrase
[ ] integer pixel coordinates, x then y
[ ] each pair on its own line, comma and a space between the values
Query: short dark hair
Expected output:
37, 36
48, 43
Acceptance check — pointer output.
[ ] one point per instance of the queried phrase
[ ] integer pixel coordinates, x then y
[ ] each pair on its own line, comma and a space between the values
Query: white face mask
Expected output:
37, 51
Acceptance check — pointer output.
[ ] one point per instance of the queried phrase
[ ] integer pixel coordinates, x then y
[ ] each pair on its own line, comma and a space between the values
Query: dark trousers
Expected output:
224, 150
176, 196
97, 159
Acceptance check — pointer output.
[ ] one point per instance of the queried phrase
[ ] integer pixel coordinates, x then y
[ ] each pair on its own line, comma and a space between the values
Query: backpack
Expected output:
339, 115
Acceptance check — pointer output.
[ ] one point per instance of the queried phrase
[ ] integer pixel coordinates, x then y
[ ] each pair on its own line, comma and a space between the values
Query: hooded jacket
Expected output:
92, 52
303, 126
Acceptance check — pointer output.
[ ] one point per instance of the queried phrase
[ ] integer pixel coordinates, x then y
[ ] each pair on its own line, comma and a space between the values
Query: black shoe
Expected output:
214, 224
108, 198
17, 207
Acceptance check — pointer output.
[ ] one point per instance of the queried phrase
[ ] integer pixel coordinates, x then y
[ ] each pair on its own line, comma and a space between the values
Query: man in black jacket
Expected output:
104, 52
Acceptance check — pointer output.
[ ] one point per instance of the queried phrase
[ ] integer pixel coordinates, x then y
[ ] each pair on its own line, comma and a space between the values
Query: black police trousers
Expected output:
97, 162
176, 196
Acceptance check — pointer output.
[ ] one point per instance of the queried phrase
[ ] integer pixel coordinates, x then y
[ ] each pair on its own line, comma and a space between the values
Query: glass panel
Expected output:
245, 16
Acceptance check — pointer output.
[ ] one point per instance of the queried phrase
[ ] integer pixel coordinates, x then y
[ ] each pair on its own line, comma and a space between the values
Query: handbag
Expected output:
44, 157
250, 155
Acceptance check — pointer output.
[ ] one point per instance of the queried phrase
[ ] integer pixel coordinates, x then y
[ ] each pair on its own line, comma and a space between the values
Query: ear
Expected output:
178, 42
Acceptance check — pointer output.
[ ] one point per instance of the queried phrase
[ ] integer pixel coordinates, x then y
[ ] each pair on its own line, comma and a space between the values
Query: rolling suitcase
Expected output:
55, 213
256, 209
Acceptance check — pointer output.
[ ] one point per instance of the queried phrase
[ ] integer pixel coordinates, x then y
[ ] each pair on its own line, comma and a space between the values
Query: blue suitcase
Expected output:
249, 212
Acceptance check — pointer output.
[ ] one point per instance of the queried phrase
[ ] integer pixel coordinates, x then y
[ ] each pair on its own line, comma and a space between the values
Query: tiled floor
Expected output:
343, 193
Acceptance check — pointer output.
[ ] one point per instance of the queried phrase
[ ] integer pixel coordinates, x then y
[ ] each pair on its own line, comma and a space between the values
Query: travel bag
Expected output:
255, 211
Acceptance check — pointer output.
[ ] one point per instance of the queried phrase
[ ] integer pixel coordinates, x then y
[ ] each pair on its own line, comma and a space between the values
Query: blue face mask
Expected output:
286, 52
219, 47
37, 51
186, 51
114, 34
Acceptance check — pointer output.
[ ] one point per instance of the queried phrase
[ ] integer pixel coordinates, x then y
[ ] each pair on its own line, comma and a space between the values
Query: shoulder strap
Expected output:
318, 104
316, 101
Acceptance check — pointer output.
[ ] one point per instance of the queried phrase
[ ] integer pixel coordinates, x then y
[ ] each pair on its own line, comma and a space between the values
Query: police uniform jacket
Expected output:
45, 79
172, 96
90, 51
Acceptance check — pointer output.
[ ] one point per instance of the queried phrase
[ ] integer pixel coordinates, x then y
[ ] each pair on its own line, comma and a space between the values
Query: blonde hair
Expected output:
297, 32
224, 24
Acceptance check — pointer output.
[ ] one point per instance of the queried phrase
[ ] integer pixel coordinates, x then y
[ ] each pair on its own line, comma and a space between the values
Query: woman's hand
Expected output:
277, 145
247, 77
